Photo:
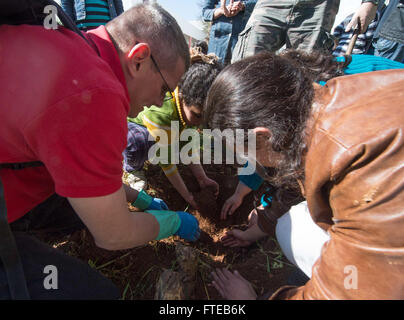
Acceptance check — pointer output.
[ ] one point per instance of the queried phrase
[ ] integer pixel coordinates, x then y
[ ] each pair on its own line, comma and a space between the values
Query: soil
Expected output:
136, 271
206, 201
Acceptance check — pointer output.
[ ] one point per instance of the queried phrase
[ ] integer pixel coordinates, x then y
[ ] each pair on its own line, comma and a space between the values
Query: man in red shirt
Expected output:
64, 102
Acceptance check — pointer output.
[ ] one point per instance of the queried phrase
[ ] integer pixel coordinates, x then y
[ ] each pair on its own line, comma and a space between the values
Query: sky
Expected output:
188, 9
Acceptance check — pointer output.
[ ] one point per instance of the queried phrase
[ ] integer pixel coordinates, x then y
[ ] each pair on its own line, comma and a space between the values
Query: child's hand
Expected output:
232, 286
209, 183
230, 206
238, 238
190, 199
157, 204
253, 217
235, 238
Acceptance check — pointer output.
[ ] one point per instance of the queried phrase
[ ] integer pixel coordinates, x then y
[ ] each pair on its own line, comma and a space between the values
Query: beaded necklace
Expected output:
177, 102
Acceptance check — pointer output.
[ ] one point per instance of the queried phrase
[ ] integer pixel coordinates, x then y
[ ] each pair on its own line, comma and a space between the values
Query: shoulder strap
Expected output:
16, 12
20, 165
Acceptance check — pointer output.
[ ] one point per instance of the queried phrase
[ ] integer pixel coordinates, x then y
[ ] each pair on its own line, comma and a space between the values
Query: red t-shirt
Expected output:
62, 104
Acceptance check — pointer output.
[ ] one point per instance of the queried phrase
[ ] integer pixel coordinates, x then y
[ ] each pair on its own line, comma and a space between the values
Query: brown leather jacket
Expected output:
354, 186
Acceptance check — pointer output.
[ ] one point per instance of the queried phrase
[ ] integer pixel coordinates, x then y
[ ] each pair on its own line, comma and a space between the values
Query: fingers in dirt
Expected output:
223, 213
230, 243
238, 275
218, 288
222, 274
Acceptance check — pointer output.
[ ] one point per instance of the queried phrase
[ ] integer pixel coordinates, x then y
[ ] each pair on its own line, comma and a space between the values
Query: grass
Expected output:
125, 291
173, 264
277, 262
93, 263
204, 283
268, 265
139, 289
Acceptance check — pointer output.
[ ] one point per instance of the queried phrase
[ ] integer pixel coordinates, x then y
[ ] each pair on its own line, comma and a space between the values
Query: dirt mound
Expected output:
206, 201
136, 271
263, 263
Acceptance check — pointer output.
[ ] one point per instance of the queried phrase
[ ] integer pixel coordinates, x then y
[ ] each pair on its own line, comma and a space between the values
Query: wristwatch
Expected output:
375, 2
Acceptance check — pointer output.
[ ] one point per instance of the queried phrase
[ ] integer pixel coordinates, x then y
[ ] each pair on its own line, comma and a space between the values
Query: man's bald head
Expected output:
151, 24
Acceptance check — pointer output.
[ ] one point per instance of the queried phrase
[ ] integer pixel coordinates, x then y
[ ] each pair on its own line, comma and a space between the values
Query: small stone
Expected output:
169, 286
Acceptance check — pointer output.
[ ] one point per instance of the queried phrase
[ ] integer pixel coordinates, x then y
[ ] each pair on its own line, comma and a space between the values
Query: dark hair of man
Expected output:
319, 66
151, 24
195, 83
268, 91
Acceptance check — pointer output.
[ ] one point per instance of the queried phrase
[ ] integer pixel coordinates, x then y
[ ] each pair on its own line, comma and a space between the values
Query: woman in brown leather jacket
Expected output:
342, 146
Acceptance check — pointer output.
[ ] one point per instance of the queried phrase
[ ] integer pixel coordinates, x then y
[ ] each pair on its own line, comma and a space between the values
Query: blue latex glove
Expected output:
157, 204
189, 228
147, 202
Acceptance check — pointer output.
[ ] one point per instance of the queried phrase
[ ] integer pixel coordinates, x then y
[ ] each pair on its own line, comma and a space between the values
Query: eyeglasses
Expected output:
166, 86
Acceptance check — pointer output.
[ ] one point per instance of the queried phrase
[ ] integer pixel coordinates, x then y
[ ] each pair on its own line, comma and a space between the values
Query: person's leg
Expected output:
135, 154
389, 36
75, 279
55, 214
310, 25
51, 274
265, 30
300, 238
138, 145
227, 59
388, 49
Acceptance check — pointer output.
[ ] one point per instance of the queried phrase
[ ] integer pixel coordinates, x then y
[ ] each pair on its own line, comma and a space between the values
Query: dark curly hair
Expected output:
318, 65
268, 91
195, 83
203, 46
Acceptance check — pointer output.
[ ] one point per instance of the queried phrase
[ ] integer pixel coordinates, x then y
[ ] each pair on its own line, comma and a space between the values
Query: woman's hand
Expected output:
232, 286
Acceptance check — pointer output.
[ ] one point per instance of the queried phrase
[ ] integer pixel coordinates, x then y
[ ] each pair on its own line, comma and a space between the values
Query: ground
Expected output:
137, 270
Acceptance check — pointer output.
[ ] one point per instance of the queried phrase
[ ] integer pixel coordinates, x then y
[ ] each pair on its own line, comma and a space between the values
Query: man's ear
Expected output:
139, 53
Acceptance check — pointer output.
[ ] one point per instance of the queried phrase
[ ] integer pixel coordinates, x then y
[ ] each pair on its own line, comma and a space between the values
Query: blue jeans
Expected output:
389, 49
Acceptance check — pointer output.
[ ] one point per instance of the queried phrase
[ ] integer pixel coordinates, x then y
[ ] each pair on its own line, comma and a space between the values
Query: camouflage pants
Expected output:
300, 24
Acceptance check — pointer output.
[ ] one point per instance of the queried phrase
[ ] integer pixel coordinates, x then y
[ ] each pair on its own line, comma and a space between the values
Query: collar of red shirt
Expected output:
101, 42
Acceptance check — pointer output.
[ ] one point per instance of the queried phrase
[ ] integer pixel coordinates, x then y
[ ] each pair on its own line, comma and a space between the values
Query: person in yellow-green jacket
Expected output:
182, 108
